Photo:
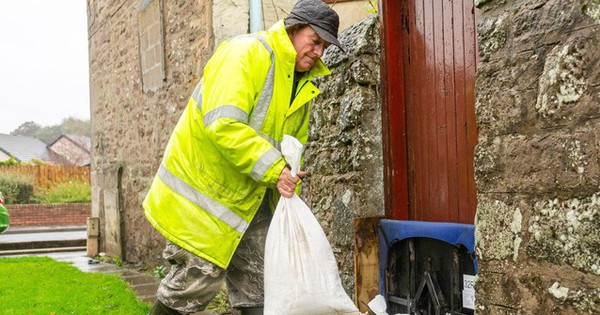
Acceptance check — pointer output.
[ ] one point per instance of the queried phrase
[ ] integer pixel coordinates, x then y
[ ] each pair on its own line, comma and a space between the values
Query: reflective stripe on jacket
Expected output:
224, 152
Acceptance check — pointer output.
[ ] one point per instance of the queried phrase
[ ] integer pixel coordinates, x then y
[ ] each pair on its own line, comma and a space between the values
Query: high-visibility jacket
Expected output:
224, 152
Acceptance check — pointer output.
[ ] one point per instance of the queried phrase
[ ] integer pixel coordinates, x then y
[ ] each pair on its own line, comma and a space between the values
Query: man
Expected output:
214, 192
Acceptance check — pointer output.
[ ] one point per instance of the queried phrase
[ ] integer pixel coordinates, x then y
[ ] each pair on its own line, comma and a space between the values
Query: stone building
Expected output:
536, 163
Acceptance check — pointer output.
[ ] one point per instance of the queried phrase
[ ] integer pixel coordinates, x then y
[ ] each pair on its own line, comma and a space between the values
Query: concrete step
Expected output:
42, 238
42, 245
44, 229
41, 250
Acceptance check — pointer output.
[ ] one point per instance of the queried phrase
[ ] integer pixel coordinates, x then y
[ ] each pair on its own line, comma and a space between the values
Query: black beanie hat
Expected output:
319, 16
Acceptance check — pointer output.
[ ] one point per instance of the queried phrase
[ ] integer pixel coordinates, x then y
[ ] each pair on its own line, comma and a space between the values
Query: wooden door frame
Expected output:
395, 166
393, 109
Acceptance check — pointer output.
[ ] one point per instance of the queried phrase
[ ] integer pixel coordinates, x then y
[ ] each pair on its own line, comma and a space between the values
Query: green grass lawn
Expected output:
41, 285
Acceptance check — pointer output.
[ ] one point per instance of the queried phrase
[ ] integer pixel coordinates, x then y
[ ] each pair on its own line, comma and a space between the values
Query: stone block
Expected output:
567, 231
548, 163
154, 33
92, 246
499, 224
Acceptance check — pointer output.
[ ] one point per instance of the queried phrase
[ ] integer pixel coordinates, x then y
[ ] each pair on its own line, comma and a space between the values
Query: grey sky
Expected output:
43, 62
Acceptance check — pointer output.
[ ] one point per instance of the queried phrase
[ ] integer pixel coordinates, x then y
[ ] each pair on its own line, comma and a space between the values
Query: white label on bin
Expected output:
468, 293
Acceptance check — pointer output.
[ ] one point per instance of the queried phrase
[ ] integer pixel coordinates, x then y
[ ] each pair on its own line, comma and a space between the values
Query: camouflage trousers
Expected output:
192, 282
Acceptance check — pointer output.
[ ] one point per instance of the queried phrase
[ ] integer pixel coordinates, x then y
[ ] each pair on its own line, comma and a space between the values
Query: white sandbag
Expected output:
301, 274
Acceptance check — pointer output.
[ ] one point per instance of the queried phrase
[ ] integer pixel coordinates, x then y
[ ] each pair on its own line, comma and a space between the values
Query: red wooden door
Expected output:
437, 60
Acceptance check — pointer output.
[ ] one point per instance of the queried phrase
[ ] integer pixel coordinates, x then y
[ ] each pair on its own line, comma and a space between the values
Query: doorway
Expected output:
430, 60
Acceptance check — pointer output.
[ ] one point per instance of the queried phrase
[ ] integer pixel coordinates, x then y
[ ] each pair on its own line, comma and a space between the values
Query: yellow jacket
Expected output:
224, 151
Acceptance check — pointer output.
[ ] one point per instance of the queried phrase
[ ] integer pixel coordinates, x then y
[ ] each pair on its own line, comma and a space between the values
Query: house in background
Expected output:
22, 149
70, 150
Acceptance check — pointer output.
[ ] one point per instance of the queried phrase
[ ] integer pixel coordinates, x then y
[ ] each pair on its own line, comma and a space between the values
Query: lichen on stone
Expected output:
486, 162
558, 292
576, 159
515, 227
563, 79
584, 300
492, 35
498, 228
479, 3
567, 231
592, 9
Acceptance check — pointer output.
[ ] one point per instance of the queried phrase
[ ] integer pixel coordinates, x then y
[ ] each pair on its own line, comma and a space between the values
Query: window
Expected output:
151, 43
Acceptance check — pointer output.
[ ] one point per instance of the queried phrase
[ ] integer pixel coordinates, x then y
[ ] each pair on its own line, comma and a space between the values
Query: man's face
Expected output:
309, 47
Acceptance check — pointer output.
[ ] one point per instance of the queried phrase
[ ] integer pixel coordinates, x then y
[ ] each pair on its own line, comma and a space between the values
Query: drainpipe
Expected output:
255, 16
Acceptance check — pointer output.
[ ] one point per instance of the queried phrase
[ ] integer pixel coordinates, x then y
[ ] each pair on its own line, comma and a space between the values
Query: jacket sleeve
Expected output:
232, 83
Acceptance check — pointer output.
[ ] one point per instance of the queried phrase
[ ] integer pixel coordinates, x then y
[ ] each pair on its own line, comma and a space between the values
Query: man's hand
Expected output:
286, 184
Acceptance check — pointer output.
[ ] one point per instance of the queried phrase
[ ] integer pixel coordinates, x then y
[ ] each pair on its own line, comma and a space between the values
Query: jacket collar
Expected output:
284, 49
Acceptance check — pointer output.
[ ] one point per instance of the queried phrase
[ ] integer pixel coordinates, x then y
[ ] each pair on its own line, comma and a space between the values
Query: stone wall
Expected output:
130, 126
538, 157
344, 153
